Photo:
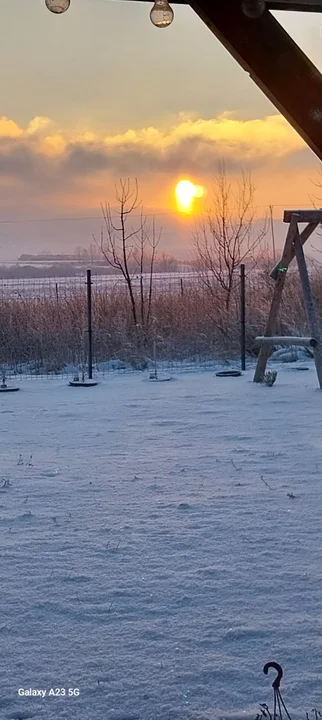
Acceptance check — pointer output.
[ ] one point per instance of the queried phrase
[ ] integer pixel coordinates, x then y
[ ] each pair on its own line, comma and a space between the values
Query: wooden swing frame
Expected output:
293, 247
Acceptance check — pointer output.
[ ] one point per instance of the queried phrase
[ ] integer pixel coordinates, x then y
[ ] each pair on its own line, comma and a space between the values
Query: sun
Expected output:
186, 192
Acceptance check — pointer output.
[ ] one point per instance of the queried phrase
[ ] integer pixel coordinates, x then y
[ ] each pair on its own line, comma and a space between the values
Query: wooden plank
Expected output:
304, 236
304, 215
265, 350
292, 5
310, 306
297, 5
273, 60
285, 340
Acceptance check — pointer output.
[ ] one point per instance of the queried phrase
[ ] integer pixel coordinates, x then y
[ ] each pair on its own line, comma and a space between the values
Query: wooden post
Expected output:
242, 317
89, 324
265, 350
272, 232
310, 306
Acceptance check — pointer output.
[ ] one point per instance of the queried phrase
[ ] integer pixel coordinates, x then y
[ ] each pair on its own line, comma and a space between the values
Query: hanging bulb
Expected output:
253, 8
161, 14
57, 6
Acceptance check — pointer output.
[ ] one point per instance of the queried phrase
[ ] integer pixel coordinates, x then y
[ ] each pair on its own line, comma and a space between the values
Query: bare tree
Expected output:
131, 250
227, 236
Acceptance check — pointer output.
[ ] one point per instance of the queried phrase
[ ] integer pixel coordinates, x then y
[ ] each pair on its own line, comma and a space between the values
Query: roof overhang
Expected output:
273, 60
293, 5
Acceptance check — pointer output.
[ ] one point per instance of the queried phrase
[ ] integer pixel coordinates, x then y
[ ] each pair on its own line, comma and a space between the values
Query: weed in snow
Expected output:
21, 462
317, 714
270, 377
264, 712
112, 549
266, 483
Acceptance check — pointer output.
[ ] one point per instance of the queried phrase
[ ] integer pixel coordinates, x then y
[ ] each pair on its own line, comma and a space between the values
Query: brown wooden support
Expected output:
286, 340
293, 247
274, 61
304, 216
265, 350
310, 306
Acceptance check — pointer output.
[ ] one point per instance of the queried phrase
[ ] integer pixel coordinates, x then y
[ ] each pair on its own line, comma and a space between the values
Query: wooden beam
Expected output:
314, 216
309, 304
304, 236
292, 5
295, 5
265, 350
280, 340
273, 60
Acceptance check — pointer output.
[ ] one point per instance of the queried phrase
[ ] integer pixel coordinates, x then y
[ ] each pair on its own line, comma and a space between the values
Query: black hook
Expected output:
279, 670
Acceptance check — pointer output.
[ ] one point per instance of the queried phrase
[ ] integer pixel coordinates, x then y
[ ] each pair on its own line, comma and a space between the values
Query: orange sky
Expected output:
161, 106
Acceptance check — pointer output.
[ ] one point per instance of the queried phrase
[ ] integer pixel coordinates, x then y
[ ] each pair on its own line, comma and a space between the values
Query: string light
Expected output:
57, 6
161, 14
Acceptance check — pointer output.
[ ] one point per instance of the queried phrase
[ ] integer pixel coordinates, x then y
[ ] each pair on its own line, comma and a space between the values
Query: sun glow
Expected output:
186, 192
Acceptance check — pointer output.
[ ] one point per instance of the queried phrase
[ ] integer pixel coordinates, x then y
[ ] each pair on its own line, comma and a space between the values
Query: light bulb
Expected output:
57, 6
161, 14
253, 8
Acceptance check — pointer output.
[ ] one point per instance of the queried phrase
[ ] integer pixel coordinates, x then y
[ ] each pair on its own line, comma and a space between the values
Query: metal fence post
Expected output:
89, 324
242, 318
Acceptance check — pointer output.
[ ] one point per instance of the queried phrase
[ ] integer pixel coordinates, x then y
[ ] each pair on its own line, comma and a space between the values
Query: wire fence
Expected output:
44, 327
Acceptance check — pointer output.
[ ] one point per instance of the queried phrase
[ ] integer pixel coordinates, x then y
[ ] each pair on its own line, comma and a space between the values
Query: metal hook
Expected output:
279, 670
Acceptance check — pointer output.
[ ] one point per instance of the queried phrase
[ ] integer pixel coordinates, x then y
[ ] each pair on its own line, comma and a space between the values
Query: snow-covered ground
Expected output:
151, 556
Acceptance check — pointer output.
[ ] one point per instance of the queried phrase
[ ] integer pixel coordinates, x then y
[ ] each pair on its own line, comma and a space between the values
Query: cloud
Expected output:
50, 168
189, 146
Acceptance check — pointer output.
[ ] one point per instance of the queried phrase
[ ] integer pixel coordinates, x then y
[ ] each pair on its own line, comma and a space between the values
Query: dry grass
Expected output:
189, 323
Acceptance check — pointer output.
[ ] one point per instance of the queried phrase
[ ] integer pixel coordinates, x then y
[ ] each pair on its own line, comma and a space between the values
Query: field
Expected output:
159, 544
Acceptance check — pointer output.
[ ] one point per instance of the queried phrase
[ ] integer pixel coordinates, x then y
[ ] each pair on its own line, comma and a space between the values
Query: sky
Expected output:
99, 93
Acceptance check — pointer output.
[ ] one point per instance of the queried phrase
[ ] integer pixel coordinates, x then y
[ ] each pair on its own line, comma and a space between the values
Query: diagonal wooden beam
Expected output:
304, 236
274, 61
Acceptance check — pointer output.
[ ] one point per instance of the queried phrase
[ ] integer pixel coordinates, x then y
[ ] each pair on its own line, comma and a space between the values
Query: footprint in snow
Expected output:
21, 715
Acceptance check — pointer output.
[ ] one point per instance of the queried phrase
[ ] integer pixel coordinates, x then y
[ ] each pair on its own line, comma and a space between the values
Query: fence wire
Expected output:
185, 322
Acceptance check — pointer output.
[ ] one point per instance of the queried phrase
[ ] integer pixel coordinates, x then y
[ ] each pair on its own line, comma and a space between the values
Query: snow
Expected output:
151, 556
